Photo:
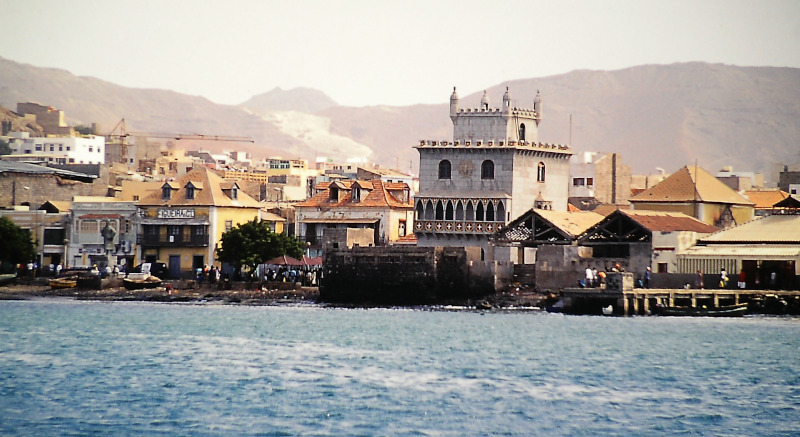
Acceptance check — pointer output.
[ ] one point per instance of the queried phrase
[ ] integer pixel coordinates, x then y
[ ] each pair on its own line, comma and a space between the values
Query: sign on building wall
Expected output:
175, 213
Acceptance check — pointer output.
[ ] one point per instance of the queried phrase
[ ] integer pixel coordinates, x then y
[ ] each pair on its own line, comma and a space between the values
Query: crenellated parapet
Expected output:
495, 144
513, 112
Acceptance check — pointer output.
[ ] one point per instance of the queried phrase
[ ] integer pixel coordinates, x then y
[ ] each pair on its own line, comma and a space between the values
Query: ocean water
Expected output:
98, 368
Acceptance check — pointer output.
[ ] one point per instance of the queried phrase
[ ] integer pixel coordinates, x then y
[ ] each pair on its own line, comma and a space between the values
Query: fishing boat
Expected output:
138, 281
7, 278
60, 283
721, 311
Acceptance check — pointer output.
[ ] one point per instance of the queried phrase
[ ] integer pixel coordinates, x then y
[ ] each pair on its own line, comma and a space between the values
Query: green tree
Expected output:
18, 246
5, 148
253, 243
84, 130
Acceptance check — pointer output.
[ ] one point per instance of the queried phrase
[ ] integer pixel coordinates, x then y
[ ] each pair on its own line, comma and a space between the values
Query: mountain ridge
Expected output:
653, 115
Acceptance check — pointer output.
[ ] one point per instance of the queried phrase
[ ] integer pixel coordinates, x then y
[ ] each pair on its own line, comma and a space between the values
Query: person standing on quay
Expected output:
698, 282
742, 277
647, 277
723, 278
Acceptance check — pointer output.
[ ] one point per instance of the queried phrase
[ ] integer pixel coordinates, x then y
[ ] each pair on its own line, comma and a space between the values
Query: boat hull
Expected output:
723, 311
140, 284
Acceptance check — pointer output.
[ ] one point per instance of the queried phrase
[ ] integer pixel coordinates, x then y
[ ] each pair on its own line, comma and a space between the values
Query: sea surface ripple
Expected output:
98, 368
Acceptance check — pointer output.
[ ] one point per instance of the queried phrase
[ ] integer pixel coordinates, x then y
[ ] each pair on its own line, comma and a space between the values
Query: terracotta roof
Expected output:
765, 198
691, 184
284, 260
656, 221
572, 223
406, 239
607, 208
211, 195
379, 196
572, 208
768, 229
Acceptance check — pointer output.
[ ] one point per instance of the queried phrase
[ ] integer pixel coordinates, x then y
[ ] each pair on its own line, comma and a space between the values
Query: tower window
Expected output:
487, 170
444, 169
522, 132
540, 172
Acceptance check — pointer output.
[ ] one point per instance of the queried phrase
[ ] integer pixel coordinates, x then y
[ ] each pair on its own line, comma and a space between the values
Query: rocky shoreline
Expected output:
241, 293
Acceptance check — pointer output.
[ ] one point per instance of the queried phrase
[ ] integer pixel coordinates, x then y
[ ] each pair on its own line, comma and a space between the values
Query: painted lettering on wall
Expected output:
176, 213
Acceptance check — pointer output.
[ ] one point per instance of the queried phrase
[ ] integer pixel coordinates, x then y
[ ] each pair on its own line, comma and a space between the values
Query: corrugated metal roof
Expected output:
662, 221
746, 251
768, 229
691, 184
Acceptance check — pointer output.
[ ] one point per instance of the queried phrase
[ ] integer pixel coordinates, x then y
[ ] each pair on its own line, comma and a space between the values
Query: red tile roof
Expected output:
378, 196
691, 184
655, 221
209, 191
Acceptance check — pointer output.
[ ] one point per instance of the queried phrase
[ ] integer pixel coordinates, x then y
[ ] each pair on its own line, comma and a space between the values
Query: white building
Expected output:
494, 170
90, 215
58, 150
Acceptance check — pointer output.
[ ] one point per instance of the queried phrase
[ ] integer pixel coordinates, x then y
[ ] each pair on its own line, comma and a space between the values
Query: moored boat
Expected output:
59, 283
7, 278
136, 283
721, 311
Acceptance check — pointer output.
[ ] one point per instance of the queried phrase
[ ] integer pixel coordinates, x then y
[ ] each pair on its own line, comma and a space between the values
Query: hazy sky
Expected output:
385, 52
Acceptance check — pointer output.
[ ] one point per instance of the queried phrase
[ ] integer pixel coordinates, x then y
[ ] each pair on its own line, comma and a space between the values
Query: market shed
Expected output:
767, 249
637, 239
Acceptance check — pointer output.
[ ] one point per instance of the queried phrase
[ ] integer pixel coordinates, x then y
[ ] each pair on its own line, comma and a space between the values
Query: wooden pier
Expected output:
628, 301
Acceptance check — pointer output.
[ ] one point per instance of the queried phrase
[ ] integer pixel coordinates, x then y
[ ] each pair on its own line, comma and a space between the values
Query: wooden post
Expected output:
635, 304
694, 300
623, 304
671, 298
646, 304
716, 299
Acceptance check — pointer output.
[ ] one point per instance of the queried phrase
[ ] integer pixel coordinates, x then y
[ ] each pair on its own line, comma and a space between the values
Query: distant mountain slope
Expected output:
296, 99
656, 115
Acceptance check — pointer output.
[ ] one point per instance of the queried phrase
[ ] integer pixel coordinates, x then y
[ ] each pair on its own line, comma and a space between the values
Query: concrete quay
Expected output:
628, 301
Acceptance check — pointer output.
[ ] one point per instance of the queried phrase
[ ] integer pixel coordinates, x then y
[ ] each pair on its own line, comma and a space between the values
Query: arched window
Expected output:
439, 211
448, 212
501, 212
470, 212
490, 212
444, 169
460, 211
420, 211
429, 211
522, 132
479, 212
540, 172
487, 170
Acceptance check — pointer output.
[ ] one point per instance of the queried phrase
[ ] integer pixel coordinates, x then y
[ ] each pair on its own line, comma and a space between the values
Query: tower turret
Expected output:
453, 105
537, 107
507, 101
485, 101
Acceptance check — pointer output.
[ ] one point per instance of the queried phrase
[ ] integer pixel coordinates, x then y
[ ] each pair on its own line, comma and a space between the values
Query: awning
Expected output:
340, 220
754, 252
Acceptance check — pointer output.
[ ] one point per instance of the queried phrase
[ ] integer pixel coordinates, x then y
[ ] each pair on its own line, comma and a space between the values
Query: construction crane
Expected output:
123, 134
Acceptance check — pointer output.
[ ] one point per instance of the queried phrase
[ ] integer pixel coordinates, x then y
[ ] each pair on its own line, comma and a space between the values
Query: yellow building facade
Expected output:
183, 222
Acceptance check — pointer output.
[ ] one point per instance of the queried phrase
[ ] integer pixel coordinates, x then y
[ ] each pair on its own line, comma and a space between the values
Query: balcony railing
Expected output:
196, 240
456, 227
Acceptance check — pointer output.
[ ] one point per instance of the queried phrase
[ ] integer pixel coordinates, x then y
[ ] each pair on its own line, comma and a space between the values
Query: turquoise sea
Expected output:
97, 368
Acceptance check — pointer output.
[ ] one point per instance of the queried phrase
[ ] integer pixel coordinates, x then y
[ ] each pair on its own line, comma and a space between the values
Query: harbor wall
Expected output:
400, 275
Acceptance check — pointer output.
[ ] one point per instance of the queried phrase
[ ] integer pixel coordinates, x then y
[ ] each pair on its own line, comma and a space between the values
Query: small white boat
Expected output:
609, 310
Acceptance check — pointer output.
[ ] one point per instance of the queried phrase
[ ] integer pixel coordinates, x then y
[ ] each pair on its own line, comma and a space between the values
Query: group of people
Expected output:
211, 275
723, 279
307, 278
